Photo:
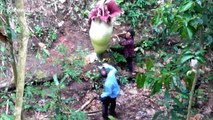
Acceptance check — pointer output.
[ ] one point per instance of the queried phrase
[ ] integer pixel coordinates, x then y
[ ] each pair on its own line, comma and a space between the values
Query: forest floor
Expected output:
132, 104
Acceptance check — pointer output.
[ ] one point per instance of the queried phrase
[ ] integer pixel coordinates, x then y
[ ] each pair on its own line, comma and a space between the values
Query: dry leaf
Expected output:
196, 117
41, 45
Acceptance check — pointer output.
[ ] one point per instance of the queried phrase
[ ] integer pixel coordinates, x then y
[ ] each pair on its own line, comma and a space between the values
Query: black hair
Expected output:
103, 72
132, 32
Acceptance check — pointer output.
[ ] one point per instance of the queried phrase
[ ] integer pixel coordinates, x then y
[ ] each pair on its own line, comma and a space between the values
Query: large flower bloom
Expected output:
100, 19
104, 11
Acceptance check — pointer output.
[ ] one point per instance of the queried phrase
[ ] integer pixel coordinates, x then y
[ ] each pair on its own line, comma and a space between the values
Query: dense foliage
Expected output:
191, 21
171, 34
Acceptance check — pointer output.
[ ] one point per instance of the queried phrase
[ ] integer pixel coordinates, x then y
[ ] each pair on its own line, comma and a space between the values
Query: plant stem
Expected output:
192, 93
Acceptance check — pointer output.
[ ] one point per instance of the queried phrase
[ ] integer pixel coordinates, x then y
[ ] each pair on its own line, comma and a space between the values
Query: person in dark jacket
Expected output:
111, 90
128, 44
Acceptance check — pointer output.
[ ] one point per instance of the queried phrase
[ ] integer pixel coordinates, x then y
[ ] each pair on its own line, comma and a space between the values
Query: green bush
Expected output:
135, 12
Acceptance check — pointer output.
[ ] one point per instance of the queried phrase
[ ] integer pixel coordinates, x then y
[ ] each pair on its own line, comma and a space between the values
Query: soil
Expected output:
132, 104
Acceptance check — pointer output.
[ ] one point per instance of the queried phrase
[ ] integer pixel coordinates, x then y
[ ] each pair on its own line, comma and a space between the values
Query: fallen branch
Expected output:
91, 113
85, 104
7, 107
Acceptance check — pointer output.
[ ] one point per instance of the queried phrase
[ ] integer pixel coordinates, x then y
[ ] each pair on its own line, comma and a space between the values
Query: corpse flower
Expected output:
100, 21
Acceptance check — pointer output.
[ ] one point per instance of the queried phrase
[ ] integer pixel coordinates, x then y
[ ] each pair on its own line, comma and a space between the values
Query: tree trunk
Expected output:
21, 58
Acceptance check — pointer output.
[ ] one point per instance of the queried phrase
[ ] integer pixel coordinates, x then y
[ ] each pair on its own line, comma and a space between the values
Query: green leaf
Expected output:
185, 58
119, 1
157, 20
140, 80
6, 117
186, 6
167, 98
167, 95
200, 59
118, 57
199, 2
167, 81
149, 64
173, 115
190, 32
156, 88
111, 117
157, 114
176, 27
195, 22
57, 110
55, 78
63, 79
165, 20
184, 32
178, 17
189, 52
210, 77
209, 39
46, 52
200, 52
178, 102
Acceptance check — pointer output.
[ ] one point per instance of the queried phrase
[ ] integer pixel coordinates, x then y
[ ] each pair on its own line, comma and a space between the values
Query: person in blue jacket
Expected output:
111, 90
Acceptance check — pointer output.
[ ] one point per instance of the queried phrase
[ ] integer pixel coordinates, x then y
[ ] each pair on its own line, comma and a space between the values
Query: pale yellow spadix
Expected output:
100, 34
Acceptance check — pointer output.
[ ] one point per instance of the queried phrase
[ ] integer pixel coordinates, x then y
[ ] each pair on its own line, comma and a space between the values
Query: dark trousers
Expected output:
108, 104
129, 64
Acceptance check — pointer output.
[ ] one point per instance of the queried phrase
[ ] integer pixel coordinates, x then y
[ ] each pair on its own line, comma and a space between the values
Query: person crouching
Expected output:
111, 90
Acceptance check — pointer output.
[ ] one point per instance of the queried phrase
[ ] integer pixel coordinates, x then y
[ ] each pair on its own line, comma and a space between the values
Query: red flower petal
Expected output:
110, 10
113, 8
93, 14
105, 18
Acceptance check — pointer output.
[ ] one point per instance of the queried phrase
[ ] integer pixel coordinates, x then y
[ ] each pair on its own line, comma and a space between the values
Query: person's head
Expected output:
130, 33
103, 72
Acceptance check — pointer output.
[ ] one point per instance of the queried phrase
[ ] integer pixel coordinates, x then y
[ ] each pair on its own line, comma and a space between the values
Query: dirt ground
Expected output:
132, 104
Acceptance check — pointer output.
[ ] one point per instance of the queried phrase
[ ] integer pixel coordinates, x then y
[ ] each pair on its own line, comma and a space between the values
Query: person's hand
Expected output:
117, 37
100, 67
105, 64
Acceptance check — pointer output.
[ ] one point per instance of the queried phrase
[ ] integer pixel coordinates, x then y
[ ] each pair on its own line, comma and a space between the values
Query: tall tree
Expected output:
21, 58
